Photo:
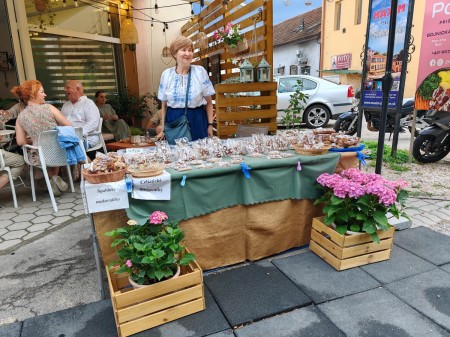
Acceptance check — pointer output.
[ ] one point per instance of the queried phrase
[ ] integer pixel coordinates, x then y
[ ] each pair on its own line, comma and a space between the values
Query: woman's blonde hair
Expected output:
178, 43
27, 90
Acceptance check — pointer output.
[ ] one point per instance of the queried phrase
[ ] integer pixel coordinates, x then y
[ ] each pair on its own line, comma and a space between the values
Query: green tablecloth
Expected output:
209, 190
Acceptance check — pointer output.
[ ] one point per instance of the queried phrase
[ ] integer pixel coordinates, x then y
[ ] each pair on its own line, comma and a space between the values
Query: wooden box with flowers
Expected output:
155, 280
355, 229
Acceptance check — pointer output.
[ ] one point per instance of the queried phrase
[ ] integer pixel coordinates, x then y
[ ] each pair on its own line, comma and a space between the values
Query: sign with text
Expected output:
152, 188
343, 61
106, 196
434, 62
375, 54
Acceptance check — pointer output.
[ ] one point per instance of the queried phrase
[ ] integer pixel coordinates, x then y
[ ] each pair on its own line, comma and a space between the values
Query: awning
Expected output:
340, 71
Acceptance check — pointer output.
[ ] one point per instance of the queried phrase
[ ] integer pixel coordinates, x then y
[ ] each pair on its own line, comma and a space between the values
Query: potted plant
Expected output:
361, 202
130, 107
151, 252
232, 37
136, 134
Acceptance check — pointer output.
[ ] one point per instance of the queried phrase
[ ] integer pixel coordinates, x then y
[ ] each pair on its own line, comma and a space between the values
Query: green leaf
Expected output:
380, 218
375, 237
187, 258
159, 274
341, 229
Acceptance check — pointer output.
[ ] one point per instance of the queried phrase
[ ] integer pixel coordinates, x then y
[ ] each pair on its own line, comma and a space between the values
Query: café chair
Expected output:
11, 182
51, 155
9, 138
101, 144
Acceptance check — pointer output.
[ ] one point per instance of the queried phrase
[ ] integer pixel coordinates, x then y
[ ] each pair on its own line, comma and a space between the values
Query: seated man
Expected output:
15, 162
154, 124
111, 122
81, 111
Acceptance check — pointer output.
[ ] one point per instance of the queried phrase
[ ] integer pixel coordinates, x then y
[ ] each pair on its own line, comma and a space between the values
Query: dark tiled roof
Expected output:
303, 27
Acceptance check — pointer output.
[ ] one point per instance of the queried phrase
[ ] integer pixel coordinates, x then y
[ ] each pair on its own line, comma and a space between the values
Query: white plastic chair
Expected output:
51, 155
10, 136
11, 182
101, 144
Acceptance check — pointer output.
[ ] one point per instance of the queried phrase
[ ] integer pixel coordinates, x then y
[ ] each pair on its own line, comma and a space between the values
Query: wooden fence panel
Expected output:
247, 104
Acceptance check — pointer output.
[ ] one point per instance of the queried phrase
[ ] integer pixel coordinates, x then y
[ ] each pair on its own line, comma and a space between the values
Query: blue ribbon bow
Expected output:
245, 169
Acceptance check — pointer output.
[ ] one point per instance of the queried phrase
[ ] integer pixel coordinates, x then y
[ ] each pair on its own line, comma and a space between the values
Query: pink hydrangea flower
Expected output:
157, 217
129, 263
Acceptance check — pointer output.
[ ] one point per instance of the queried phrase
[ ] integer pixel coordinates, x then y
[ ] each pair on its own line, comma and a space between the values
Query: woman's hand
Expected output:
210, 130
160, 135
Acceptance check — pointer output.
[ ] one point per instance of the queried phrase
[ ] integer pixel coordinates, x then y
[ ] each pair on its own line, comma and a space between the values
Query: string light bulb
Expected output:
109, 20
64, 3
156, 7
121, 4
192, 8
75, 3
152, 24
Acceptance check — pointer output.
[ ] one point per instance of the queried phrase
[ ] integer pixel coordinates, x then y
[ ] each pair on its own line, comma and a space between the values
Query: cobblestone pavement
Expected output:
32, 220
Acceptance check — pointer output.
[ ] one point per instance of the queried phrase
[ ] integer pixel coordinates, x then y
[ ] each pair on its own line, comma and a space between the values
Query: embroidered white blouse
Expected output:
172, 87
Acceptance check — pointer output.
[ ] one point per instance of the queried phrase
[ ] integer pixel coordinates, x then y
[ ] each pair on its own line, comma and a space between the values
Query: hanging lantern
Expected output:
263, 71
128, 33
166, 52
40, 5
308, 2
246, 71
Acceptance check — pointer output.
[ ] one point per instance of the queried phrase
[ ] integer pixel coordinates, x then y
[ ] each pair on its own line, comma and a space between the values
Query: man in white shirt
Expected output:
81, 111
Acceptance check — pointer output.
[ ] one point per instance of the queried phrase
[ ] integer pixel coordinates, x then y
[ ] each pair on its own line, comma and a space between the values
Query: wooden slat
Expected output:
162, 317
365, 259
161, 303
238, 115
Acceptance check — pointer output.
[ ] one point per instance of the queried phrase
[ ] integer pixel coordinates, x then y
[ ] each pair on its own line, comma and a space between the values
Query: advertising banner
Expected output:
376, 53
343, 61
433, 76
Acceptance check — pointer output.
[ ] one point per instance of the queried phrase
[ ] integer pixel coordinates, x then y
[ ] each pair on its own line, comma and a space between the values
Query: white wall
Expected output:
286, 56
150, 63
8, 78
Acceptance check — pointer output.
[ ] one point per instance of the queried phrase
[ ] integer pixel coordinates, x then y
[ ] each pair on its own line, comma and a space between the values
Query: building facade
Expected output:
343, 34
296, 44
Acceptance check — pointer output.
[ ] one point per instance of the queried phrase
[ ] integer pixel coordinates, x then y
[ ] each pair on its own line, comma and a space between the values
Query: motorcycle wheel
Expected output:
343, 125
425, 152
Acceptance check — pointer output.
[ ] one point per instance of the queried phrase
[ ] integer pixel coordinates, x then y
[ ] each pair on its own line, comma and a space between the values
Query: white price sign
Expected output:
106, 197
152, 188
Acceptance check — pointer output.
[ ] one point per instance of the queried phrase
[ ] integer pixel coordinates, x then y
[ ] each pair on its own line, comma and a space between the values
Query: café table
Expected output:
114, 146
228, 218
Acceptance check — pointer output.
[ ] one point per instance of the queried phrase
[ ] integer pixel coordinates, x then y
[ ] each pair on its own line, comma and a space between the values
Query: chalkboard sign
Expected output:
215, 69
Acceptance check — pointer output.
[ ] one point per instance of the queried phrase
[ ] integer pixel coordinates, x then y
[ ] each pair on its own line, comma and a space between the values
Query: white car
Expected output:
326, 99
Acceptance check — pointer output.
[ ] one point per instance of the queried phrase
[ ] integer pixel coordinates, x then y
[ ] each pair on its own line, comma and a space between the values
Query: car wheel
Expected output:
316, 116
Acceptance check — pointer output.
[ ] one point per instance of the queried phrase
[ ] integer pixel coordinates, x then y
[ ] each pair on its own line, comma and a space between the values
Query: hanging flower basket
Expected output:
241, 46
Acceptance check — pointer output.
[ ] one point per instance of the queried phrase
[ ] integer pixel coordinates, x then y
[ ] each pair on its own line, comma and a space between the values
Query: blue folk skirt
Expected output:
198, 120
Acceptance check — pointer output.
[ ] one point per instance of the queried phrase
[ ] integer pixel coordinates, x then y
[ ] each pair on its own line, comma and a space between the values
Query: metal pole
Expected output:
97, 257
413, 134
386, 82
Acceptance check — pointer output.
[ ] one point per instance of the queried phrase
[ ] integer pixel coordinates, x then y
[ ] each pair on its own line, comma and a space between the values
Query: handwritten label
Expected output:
152, 188
106, 197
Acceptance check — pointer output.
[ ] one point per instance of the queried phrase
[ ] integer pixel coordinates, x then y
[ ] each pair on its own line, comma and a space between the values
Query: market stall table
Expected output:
228, 218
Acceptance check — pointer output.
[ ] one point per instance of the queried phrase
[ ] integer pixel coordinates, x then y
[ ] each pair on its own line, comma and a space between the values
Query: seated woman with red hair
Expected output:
37, 117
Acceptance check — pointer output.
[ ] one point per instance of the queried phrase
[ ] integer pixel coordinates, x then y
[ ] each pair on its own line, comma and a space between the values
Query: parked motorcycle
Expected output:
348, 121
433, 143
424, 118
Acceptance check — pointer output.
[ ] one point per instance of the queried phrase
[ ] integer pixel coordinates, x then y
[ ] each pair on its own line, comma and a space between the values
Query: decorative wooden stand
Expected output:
348, 251
136, 310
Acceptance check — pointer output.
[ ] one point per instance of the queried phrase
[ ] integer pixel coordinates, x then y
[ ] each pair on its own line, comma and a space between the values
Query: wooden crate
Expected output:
348, 251
136, 310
